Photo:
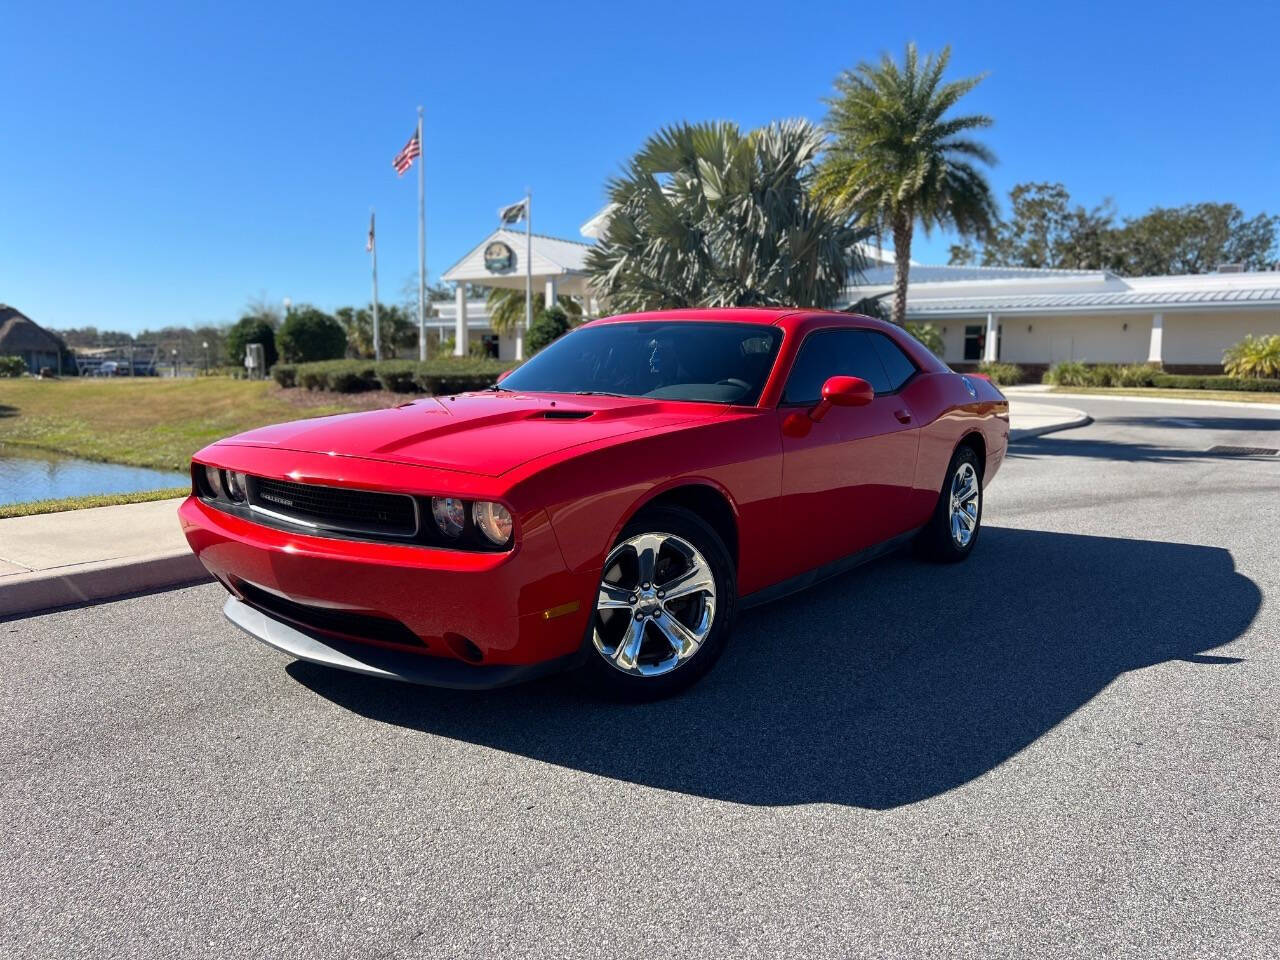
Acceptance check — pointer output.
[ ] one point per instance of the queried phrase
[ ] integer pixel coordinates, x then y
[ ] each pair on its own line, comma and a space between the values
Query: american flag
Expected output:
404, 159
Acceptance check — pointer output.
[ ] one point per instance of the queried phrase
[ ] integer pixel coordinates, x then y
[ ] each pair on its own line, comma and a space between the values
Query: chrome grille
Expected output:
335, 508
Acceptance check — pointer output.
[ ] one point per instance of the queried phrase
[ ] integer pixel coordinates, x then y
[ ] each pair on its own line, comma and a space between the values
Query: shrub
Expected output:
1136, 375
247, 330
308, 335
12, 366
1246, 384
352, 377
397, 375
442, 375
1069, 374
1253, 357
1005, 374
546, 328
927, 334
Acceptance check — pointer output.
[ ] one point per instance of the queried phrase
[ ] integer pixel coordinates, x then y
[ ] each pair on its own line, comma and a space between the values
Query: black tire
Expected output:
601, 671
937, 541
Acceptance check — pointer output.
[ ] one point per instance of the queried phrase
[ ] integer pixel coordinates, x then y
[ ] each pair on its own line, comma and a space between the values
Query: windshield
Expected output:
709, 362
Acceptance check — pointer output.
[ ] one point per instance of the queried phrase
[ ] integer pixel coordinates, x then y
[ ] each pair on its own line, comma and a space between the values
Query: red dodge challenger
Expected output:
611, 504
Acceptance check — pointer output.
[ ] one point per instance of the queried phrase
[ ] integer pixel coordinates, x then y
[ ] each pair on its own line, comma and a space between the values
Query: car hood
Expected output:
485, 434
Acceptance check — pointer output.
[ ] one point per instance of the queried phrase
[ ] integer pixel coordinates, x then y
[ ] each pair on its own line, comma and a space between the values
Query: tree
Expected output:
506, 308
546, 327
397, 331
1196, 238
251, 328
310, 334
896, 158
705, 215
1045, 229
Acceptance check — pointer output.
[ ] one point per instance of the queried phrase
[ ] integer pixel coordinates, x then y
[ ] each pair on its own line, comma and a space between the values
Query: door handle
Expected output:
904, 416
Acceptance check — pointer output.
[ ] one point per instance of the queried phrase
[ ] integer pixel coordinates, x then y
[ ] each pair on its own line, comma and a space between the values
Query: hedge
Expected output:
12, 366
440, 376
1248, 384
1077, 374
1005, 374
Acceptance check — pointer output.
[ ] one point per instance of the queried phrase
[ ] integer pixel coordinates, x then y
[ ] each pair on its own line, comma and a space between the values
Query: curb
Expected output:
1045, 397
27, 593
1083, 420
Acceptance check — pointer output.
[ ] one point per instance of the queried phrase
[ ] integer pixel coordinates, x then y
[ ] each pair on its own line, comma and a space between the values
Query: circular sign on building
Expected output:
498, 257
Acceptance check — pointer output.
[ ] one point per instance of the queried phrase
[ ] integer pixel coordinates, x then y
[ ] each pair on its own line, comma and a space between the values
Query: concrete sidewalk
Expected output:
56, 559
1027, 419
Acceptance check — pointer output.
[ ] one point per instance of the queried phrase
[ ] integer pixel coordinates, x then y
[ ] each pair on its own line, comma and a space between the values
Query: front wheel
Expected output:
957, 519
664, 608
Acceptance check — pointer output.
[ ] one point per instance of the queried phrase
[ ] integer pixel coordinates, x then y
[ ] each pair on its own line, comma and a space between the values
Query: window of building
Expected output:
834, 353
975, 340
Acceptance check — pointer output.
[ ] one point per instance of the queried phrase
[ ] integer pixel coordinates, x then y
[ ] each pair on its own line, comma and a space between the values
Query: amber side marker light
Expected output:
560, 611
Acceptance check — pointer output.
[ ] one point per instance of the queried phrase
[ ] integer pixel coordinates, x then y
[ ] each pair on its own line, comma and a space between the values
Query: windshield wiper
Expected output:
599, 393
499, 388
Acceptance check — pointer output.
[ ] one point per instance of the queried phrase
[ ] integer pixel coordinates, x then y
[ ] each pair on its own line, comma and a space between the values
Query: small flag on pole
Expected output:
369, 244
514, 213
404, 159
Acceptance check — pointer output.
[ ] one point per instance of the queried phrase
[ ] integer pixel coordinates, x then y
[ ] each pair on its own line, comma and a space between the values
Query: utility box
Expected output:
255, 361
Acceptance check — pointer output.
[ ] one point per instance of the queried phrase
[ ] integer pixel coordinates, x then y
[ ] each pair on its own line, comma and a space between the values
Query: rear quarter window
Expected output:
897, 365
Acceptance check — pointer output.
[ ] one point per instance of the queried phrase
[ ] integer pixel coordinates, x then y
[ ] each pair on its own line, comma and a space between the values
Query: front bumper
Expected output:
513, 610
383, 661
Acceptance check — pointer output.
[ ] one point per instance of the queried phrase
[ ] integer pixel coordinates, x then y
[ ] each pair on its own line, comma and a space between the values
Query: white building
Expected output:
1030, 317
1035, 318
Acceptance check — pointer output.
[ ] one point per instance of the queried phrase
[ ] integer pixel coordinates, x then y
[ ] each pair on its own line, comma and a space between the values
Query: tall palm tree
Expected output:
705, 215
896, 158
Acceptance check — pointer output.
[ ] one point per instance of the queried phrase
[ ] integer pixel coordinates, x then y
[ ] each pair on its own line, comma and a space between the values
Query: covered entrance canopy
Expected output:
499, 261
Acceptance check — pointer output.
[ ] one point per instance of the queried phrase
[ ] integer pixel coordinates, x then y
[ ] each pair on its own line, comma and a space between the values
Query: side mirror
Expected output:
842, 392
503, 375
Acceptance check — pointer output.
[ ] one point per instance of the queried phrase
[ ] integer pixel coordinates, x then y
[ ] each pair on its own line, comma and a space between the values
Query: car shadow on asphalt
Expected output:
884, 687
1117, 450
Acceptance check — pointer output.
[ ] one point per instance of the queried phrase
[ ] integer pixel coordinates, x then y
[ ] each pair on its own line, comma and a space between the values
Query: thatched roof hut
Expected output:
20, 336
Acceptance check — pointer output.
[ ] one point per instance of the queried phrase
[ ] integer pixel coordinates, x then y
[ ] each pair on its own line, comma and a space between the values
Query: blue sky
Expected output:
165, 163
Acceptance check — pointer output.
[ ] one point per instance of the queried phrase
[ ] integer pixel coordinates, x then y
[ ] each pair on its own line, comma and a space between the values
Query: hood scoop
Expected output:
563, 415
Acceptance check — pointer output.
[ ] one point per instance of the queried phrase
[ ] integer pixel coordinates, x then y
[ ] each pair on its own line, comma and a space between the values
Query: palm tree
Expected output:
506, 308
895, 158
704, 215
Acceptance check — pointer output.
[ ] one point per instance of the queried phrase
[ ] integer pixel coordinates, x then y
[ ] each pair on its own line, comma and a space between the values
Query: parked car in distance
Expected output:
610, 505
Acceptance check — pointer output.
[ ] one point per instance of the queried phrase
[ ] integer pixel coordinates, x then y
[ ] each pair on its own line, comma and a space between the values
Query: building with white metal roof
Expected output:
1021, 315
1039, 317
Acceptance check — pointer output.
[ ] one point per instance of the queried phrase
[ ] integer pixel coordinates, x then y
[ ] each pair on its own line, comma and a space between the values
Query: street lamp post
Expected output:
174, 352
205, 344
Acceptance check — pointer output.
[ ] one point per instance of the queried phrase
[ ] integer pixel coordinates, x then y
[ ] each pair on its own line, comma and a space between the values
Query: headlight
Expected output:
213, 477
494, 521
236, 486
450, 514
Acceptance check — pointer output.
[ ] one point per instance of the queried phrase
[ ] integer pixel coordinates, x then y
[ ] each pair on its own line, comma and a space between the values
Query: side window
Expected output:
833, 353
897, 365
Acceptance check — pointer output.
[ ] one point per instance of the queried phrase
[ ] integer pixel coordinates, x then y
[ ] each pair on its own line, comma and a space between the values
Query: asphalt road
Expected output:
1068, 746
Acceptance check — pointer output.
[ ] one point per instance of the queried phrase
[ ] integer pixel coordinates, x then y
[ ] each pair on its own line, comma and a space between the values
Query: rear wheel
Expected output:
957, 519
664, 608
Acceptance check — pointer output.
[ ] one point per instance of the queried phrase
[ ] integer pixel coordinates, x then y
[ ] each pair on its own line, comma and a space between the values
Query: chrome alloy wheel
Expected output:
965, 504
656, 606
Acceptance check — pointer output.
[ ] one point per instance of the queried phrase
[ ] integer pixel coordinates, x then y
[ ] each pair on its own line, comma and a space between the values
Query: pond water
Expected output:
33, 475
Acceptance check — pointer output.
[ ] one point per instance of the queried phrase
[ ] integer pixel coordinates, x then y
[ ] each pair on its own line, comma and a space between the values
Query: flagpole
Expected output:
528, 273
422, 249
373, 248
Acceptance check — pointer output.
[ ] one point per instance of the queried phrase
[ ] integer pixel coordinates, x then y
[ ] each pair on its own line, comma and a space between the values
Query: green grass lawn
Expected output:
151, 422
33, 507
1245, 396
